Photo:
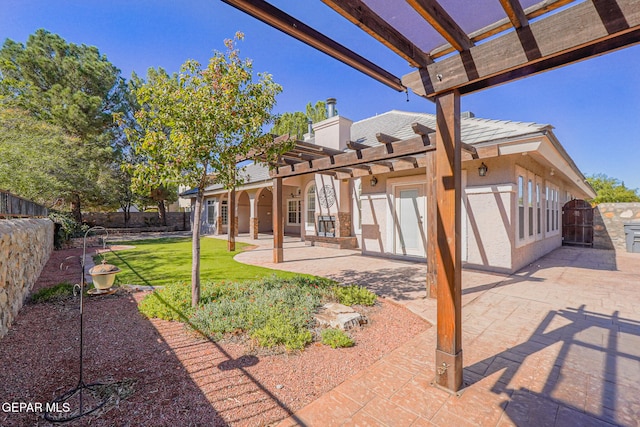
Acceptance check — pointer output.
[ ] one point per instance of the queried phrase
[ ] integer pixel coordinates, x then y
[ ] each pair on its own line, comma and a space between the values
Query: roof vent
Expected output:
467, 115
331, 108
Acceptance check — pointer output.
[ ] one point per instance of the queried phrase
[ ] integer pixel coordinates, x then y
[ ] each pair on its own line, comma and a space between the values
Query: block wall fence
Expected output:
25, 247
608, 224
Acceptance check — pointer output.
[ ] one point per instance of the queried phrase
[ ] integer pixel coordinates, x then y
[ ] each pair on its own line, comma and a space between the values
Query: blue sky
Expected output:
594, 105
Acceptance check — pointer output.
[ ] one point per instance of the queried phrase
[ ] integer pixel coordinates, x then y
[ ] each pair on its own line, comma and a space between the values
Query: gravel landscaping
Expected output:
178, 377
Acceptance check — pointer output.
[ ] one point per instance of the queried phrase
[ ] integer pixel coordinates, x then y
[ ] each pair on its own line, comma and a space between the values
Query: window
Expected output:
529, 215
521, 207
311, 206
359, 204
224, 212
530, 206
294, 208
538, 210
553, 209
211, 211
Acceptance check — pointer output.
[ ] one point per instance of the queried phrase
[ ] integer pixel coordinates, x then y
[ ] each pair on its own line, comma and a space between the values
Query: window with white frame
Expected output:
520, 207
529, 218
211, 211
294, 209
553, 209
311, 206
224, 212
530, 206
538, 210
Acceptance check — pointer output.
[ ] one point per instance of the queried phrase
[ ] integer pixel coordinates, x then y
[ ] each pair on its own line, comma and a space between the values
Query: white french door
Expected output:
410, 232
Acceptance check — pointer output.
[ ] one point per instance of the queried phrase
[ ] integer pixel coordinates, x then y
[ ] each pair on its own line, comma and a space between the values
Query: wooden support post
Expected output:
231, 221
432, 230
448, 173
278, 222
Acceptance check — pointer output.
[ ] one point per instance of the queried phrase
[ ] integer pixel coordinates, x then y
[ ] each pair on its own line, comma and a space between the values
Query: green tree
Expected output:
41, 161
296, 123
198, 124
611, 190
74, 88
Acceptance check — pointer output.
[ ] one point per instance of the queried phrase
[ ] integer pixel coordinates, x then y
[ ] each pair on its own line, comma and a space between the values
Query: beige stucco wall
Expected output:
25, 247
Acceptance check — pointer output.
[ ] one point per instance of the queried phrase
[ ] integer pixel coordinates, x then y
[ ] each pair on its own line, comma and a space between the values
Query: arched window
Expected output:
311, 206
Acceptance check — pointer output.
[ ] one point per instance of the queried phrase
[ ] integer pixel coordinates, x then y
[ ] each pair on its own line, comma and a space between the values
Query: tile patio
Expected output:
556, 344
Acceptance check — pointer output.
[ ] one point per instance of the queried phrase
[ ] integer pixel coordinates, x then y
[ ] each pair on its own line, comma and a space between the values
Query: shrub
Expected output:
60, 292
336, 338
354, 295
273, 311
66, 227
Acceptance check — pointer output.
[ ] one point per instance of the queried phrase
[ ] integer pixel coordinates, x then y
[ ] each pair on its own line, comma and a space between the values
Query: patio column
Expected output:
278, 222
231, 221
253, 215
448, 253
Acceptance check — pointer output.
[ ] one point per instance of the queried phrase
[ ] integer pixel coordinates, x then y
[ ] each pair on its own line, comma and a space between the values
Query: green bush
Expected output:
336, 338
60, 292
173, 302
354, 295
66, 227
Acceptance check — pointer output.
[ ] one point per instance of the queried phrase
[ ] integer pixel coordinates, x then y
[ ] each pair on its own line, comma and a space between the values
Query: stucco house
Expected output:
514, 188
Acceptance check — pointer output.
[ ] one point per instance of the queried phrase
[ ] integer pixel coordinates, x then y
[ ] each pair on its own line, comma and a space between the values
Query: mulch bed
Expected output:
178, 378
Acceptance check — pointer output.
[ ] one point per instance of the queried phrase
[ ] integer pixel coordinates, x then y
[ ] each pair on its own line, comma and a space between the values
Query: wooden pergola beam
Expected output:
439, 19
361, 15
502, 25
470, 149
280, 20
515, 13
350, 159
585, 30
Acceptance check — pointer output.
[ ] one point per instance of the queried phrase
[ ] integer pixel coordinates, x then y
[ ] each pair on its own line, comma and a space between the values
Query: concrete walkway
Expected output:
556, 344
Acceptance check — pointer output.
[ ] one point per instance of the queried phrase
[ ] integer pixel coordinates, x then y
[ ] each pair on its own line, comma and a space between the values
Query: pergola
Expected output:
458, 47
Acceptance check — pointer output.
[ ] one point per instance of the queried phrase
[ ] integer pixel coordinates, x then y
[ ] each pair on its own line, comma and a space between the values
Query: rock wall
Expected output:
25, 247
608, 224
178, 221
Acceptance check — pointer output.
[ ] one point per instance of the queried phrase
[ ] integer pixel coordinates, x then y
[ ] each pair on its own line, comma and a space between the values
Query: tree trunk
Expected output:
126, 211
75, 208
195, 251
162, 213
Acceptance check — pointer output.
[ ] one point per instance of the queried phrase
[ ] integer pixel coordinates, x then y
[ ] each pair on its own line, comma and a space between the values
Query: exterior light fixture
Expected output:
373, 181
482, 170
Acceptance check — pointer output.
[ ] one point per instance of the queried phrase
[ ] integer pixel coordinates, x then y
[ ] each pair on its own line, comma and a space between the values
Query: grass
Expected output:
160, 262
273, 308
60, 292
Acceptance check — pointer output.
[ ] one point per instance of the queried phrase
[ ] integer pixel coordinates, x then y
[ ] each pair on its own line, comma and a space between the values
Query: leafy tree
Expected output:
611, 190
41, 161
76, 89
198, 124
296, 123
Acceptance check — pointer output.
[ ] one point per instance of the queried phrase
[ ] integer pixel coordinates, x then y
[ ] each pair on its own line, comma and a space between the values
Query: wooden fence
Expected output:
12, 206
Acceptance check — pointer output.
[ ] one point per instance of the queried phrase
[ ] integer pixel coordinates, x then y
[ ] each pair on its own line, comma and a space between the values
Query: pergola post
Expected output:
448, 254
231, 221
278, 222
432, 230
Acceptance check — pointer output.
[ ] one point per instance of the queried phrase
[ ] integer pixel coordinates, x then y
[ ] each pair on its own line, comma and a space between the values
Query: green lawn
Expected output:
160, 262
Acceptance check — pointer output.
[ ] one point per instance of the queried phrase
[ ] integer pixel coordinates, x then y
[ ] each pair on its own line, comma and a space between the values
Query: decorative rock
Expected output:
340, 316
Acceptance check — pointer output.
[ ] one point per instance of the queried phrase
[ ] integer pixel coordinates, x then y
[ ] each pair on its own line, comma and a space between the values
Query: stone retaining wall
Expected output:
178, 221
608, 224
25, 246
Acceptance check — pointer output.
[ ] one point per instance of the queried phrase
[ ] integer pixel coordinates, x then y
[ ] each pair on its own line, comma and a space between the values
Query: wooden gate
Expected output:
577, 223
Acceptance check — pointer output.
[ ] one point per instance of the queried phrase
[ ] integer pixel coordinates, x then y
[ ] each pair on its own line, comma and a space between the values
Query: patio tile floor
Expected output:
555, 344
